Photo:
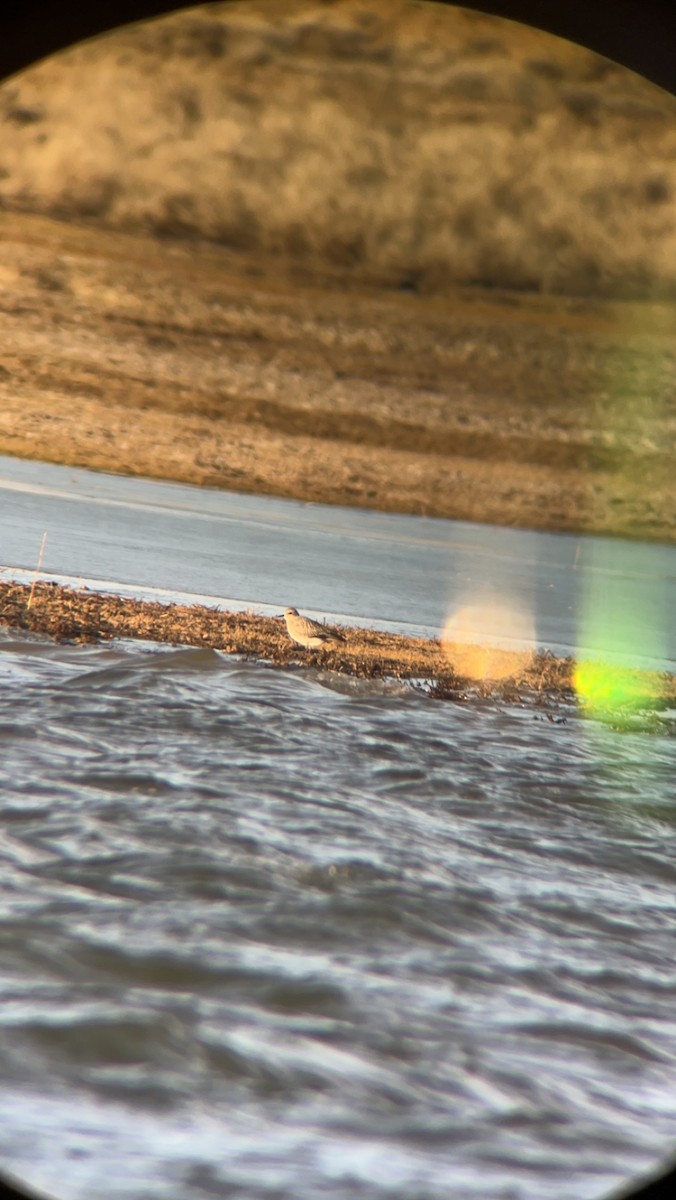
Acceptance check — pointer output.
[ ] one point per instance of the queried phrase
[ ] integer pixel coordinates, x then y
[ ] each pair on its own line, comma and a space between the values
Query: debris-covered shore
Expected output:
81, 615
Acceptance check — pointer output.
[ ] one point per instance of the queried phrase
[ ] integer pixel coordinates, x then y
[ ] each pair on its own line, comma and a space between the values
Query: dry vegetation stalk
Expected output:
38, 568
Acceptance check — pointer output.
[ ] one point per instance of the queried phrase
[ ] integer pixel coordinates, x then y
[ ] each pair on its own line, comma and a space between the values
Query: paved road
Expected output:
399, 572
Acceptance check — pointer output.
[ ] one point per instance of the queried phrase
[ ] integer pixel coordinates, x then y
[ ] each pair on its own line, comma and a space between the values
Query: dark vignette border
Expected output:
639, 34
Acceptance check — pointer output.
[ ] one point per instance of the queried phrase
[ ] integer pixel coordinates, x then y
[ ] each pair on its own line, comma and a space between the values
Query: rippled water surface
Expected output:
274, 935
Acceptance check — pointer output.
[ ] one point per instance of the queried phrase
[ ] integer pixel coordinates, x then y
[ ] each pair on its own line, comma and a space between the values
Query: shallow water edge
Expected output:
86, 616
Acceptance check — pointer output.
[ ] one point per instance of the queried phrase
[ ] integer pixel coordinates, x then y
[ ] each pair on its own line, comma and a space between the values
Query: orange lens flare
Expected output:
490, 640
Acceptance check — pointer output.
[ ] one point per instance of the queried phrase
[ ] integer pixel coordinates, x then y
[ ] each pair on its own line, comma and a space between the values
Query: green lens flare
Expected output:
621, 632
608, 689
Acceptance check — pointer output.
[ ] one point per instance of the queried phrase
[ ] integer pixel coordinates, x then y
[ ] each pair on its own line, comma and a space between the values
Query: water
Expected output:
401, 573
269, 935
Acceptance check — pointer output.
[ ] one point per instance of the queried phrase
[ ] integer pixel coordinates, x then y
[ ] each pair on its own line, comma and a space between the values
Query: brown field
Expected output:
370, 253
199, 364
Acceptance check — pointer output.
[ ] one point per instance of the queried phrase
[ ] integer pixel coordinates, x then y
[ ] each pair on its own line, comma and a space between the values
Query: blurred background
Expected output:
411, 143
402, 256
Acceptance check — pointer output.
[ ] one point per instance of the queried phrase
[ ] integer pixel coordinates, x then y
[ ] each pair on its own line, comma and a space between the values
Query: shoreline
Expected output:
81, 616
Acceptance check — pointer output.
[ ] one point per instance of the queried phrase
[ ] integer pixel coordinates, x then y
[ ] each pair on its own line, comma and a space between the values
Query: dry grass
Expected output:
408, 143
84, 616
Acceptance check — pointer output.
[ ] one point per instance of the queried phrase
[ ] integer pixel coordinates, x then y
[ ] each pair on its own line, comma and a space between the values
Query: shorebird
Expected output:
308, 633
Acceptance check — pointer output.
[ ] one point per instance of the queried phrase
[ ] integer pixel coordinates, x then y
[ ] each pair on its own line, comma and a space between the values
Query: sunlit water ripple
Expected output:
270, 934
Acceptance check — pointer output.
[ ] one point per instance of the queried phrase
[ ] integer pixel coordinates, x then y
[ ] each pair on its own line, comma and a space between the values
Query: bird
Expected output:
309, 633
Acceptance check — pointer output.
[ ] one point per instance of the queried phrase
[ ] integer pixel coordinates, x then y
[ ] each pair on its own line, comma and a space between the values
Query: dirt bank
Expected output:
199, 364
